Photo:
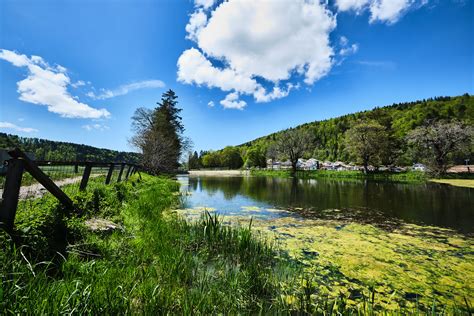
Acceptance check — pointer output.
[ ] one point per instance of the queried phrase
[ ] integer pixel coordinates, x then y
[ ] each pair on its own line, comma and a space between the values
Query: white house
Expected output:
419, 167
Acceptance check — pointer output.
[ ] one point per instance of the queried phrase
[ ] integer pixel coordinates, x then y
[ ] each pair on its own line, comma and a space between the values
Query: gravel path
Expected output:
37, 190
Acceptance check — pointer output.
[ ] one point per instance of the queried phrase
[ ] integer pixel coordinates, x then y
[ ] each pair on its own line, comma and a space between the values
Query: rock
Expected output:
101, 225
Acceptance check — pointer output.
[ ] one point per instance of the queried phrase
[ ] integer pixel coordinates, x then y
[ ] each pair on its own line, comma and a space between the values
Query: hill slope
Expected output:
53, 150
398, 119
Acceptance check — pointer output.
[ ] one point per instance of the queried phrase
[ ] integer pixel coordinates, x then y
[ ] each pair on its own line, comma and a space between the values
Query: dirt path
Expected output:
37, 190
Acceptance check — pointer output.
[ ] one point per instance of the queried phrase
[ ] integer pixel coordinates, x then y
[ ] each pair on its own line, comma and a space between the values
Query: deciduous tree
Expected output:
367, 142
292, 144
436, 143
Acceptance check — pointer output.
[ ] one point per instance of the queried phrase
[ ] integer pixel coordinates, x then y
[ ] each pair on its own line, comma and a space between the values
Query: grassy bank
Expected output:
414, 177
155, 263
465, 183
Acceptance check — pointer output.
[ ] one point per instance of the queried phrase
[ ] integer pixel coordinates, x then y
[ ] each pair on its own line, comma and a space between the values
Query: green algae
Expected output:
398, 268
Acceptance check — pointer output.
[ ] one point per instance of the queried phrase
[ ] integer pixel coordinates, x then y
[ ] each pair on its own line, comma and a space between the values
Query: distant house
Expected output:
285, 165
311, 164
419, 167
273, 164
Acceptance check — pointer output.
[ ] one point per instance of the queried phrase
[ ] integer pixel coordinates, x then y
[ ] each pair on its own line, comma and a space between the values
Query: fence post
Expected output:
85, 176
42, 178
122, 166
109, 174
128, 171
76, 168
11, 193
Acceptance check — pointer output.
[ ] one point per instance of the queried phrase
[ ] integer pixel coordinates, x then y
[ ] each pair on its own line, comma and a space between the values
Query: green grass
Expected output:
466, 183
411, 176
158, 263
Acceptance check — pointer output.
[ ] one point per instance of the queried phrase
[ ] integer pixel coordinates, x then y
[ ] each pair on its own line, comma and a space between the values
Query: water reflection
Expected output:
431, 204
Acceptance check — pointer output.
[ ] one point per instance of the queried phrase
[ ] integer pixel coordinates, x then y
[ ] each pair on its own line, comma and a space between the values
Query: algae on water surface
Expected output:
401, 267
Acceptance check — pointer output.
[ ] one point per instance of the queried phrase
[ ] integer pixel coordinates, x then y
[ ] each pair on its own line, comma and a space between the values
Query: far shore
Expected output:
467, 183
219, 173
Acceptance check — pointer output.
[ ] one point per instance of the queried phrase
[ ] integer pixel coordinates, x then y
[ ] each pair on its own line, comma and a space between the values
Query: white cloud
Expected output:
206, 4
8, 125
232, 101
388, 11
77, 84
127, 88
47, 85
349, 50
196, 22
256, 42
343, 41
98, 127
210, 104
195, 68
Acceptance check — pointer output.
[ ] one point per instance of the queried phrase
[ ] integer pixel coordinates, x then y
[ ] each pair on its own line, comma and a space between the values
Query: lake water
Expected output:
373, 202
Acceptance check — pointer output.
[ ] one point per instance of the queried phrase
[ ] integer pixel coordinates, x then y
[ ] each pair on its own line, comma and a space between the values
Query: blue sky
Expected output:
77, 70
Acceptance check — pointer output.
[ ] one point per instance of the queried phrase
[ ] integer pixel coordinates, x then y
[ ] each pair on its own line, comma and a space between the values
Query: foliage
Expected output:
436, 143
158, 134
194, 161
398, 120
229, 157
255, 157
367, 142
52, 150
211, 160
292, 144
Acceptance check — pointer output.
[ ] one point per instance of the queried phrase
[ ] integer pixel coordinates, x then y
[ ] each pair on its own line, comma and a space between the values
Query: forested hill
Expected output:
398, 119
52, 150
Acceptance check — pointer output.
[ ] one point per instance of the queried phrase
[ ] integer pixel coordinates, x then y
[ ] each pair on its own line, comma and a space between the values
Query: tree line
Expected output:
44, 149
436, 131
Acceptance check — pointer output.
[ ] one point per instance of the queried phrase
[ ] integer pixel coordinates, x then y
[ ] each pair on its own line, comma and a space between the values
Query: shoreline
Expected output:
219, 173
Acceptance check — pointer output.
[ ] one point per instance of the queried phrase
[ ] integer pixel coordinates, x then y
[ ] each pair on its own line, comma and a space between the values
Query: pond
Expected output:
406, 244
367, 201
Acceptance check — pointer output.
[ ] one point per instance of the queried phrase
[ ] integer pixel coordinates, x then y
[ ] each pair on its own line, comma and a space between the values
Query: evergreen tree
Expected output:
158, 133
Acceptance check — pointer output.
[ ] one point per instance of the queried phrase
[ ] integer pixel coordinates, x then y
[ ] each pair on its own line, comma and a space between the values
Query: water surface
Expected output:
360, 200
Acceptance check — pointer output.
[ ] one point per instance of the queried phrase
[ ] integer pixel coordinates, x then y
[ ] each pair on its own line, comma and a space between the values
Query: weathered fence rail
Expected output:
20, 165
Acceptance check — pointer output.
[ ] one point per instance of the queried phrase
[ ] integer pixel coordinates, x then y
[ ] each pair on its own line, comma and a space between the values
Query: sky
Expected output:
77, 70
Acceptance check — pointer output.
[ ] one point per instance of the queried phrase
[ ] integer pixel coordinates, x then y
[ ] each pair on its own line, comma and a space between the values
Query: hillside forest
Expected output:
330, 140
44, 149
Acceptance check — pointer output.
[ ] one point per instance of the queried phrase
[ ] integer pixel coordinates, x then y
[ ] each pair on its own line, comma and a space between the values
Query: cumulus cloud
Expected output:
210, 104
244, 47
8, 125
97, 127
388, 11
232, 101
125, 89
47, 85
197, 21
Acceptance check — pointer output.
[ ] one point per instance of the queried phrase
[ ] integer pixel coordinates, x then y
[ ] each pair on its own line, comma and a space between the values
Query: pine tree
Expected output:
159, 134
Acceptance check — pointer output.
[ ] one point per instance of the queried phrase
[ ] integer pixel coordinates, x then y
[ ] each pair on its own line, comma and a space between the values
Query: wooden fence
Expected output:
20, 164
